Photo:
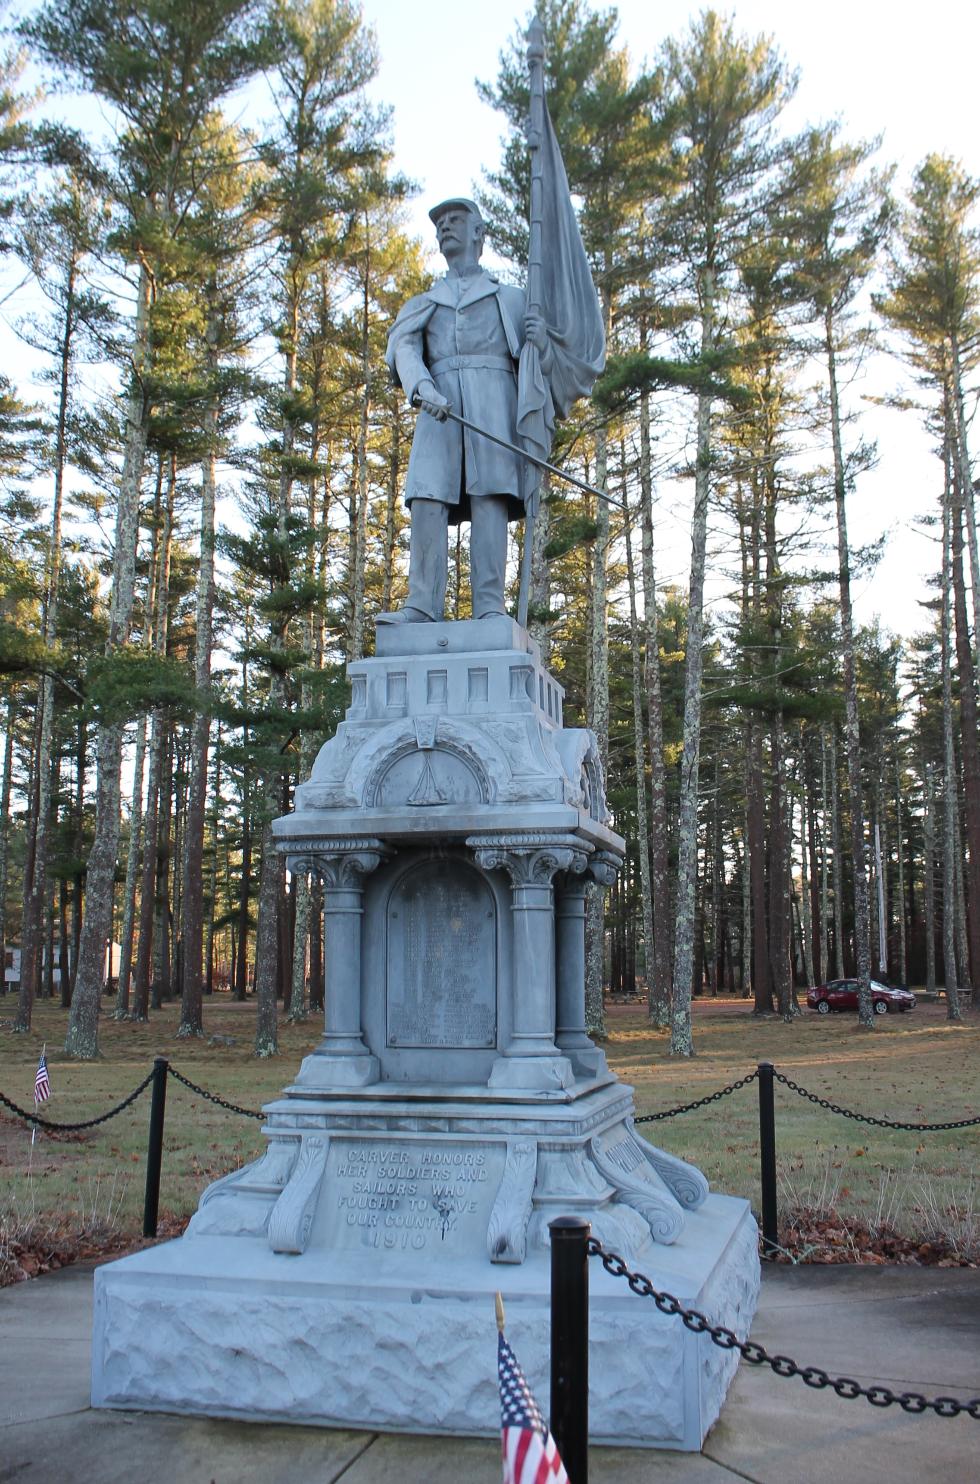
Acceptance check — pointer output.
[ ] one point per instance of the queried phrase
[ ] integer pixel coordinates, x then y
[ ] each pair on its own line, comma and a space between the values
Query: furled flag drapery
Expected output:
529, 1452
561, 287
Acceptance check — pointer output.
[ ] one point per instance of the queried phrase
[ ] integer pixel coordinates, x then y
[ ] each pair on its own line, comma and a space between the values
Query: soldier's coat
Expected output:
475, 316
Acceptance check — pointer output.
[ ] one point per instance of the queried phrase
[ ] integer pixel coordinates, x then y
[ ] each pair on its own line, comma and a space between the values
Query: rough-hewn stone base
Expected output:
227, 1327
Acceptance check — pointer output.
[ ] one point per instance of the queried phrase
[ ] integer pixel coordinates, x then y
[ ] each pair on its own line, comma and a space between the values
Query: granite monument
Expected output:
455, 1103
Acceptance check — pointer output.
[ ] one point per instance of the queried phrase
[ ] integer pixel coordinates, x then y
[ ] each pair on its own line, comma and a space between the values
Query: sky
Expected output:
907, 74
881, 70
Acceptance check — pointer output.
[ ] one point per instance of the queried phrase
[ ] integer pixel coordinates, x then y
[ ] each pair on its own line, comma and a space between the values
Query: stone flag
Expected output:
570, 307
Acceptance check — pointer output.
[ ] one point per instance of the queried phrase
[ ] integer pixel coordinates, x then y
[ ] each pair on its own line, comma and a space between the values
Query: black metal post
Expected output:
570, 1343
154, 1148
767, 1158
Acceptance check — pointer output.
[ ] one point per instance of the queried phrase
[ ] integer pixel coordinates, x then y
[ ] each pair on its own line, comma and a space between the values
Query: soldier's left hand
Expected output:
536, 330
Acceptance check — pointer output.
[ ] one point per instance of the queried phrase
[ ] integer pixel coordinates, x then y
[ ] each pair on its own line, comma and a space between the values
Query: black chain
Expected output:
64, 1128
782, 1365
713, 1097
913, 1128
213, 1097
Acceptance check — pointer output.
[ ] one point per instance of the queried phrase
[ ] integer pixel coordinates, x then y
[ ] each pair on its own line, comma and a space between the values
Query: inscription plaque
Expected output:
442, 958
397, 1195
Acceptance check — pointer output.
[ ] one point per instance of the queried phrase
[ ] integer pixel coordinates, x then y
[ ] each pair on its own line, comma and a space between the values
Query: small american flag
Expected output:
42, 1086
529, 1451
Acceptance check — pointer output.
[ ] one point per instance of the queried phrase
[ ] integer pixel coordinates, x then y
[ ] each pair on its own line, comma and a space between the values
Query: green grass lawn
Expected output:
914, 1067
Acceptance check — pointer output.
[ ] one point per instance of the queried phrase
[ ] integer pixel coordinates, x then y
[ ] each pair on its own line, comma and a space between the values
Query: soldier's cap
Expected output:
462, 201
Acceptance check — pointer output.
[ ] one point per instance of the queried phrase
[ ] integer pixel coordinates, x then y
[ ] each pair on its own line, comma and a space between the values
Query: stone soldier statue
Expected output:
457, 347
507, 363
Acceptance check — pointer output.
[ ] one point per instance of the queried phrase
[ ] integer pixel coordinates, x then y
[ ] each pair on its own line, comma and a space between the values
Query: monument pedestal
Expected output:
376, 1311
453, 1107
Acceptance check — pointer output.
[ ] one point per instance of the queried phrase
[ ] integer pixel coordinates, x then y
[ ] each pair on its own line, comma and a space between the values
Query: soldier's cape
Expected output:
570, 308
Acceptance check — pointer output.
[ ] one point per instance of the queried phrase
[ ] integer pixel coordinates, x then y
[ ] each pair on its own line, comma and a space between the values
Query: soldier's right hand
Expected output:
432, 401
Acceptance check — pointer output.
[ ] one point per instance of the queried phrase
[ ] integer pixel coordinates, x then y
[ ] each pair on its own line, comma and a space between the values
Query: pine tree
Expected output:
842, 222
933, 300
723, 95
162, 94
58, 234
325, 134
221, 236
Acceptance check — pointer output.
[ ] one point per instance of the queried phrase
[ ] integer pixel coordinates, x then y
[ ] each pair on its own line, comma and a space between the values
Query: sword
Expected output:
532, 458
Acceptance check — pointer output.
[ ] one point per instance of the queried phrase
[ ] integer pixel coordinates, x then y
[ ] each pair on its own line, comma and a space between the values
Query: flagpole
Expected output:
535, 139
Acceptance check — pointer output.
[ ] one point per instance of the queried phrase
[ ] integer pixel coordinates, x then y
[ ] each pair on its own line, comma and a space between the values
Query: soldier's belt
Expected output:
472, 363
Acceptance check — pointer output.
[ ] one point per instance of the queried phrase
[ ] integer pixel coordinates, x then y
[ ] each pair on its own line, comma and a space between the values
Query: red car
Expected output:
842, 994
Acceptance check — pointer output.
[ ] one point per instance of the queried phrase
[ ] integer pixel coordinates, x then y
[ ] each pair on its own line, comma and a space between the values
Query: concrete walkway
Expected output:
911, 1328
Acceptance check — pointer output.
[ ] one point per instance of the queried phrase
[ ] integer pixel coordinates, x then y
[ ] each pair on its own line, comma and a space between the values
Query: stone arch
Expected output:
463, 748
426, 776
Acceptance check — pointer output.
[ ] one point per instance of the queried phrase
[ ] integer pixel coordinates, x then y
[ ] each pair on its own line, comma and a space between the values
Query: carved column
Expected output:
572, 1037
570, 891
570, 950
342, 1059
531, 860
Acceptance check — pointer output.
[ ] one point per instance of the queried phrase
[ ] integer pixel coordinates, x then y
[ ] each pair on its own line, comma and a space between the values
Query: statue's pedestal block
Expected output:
396, 1338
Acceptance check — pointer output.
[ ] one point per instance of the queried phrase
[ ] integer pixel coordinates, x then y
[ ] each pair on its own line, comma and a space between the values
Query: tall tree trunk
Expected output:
838, 872
180, 787
780, 919
929, 875
64, 948
681, 1041
6, 784
879, 928
267, 948
824, 859
969, 505
962, 940
969, 740
300, 953
132, 871
192, 894
82, 1039
756, 847
244, 894
901, 906
812, 898
598, 704
359, 543
808, 852
161, 986
78, 845
272, 866
36, 880
745, 985
391, 504
146, 983
949, 764
852, 729
639, 768
717, 886
663, 944
539, 593
779, 907
148, 875
316, 946
964, 479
